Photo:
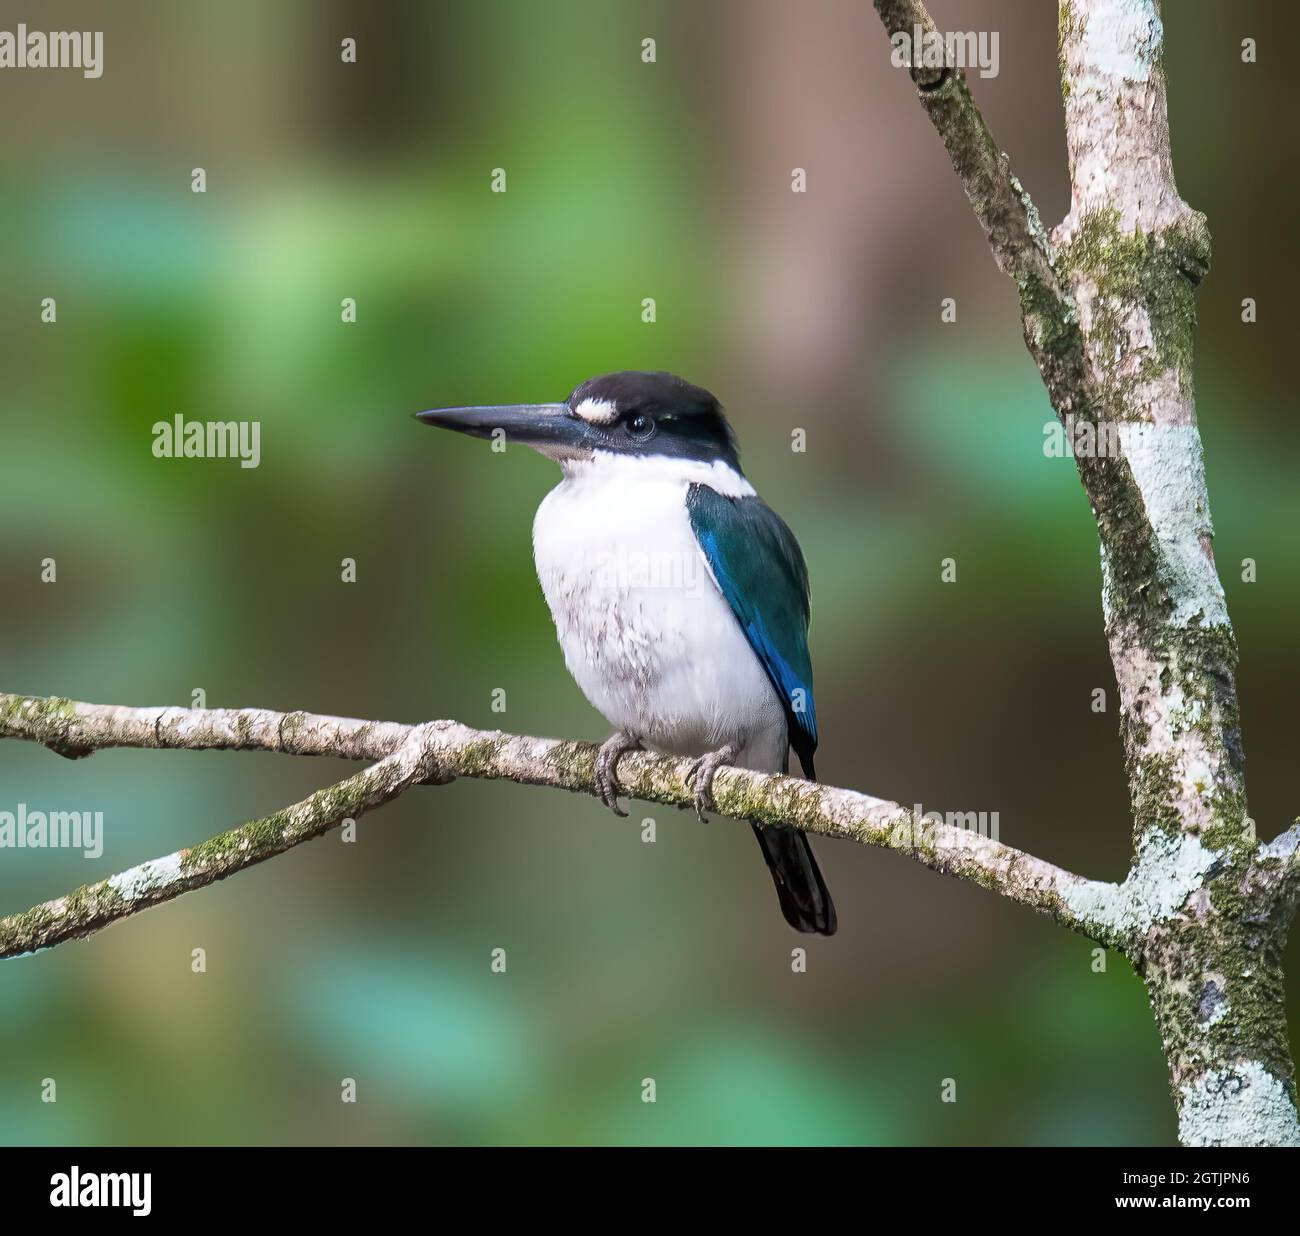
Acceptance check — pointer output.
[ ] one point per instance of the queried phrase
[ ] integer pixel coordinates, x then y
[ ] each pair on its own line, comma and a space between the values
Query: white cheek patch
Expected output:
597, 411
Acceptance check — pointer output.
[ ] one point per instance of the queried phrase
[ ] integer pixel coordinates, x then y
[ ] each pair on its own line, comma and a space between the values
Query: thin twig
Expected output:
93, 907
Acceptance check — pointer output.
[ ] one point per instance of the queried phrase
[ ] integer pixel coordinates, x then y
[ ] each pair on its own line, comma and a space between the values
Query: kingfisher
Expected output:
679, 596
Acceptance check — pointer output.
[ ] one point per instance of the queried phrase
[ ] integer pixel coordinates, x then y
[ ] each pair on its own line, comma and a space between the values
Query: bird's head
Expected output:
633, 413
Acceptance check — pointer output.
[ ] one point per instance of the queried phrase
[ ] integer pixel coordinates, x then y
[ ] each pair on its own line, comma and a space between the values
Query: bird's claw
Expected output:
607, 767
699, 779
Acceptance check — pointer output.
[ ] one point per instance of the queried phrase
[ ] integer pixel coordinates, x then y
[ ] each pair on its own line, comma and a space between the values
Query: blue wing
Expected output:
761, 571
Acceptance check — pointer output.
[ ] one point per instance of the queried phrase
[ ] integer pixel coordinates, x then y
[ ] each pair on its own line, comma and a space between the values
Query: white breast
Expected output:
644, 629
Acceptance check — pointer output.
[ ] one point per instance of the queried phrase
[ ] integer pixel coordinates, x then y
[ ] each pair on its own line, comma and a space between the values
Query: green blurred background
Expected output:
818, 311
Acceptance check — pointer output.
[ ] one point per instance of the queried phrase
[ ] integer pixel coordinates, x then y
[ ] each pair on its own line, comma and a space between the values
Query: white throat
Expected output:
612, 468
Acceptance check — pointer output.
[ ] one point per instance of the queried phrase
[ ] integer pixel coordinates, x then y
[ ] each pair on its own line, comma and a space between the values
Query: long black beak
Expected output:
549, 427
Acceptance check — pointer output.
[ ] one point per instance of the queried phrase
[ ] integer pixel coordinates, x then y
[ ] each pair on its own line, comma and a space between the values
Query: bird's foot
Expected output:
607, 767
700, 777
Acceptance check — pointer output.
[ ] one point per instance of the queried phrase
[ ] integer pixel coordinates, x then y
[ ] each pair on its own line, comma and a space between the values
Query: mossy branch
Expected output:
440, 750
93, 907
1019, 242
1108, 308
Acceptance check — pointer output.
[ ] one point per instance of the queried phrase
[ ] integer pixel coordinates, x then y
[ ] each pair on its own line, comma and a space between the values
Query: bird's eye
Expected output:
640, 425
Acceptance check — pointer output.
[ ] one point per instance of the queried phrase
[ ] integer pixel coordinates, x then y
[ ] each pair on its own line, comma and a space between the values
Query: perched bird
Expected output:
679, 596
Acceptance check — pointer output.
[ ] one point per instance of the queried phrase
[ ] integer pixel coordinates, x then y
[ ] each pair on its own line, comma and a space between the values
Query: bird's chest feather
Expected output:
622, 574
644, 630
